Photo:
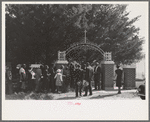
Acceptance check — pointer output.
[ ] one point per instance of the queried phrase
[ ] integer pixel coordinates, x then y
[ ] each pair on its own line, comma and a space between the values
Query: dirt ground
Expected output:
97, 95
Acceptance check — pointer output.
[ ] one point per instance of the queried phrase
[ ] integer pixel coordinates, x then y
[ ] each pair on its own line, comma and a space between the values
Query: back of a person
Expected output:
119, 73
38, 73
78, 74
52, 72
91, 71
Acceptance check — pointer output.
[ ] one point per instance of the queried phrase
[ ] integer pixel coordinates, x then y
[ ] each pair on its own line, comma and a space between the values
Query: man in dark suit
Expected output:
52, 80
89, 74
38, 79
72, 75
97, 76
78, 80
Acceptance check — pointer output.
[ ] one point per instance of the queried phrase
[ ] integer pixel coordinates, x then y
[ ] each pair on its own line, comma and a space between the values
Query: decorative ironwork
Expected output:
62, 55
85, 46
107, 56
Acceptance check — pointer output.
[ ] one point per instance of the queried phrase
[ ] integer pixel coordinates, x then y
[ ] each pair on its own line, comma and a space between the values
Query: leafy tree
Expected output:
35, 33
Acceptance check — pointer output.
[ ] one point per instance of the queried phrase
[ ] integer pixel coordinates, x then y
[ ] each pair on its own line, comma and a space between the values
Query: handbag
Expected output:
85, 83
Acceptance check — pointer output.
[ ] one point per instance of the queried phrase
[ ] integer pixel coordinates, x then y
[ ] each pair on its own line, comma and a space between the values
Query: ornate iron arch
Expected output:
86, 46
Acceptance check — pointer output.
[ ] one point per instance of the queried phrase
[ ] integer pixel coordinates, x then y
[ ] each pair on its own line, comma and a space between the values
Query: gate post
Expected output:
107, 71
129, 76
61, 59
107, 74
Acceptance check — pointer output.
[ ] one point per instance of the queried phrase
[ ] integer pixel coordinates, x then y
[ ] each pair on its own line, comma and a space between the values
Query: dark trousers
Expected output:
31, 84
9, 87
78, 89
38, 84
47, 84
97, 83
89, 87
19, 87
71, 80
52, 80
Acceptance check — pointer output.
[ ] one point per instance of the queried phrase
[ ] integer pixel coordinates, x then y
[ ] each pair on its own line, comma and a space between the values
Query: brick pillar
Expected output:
129, 76
107, 74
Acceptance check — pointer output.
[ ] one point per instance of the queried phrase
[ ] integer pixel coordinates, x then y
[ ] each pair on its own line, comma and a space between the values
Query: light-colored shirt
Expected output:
33, 74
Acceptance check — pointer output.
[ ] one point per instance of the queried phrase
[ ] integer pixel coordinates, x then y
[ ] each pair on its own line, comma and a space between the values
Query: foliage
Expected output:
35, 33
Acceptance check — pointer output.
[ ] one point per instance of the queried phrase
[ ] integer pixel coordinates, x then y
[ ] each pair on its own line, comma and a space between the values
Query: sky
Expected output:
137, 9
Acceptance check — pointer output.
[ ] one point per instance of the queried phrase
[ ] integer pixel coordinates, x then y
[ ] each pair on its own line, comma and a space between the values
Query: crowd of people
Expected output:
73, 76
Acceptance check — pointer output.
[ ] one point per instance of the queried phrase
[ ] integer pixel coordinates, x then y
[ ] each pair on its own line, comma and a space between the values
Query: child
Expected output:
59, 80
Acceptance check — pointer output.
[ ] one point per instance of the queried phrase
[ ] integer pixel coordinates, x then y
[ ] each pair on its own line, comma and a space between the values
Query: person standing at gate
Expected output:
97, 76
46, 75
78, 80
22, 74
30, 79
59, 80
38, 76
89, 74
72, 69
52, 75
118, 77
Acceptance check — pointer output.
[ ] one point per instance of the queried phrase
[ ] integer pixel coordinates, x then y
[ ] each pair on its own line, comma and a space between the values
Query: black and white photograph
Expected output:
77, 54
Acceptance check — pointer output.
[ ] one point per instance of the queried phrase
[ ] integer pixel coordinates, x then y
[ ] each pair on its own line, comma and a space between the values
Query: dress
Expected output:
89, 74
97, 76
119, 77
22, 73
58, 77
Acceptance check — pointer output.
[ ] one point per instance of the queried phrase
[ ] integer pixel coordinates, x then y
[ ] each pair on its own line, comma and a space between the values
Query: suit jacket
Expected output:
38, 74
78, 75
89, 73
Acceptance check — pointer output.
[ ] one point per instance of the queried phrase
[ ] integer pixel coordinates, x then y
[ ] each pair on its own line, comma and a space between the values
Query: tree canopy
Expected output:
35, 33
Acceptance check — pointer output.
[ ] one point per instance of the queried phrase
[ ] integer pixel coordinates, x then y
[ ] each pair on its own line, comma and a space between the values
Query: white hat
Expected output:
58, 70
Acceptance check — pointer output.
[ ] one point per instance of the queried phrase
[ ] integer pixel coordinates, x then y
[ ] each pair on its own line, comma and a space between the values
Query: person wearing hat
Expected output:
59, 80
72, 74
88, 77
78, 80
118, 75
22, 73
97, 76
38, 79
52, 81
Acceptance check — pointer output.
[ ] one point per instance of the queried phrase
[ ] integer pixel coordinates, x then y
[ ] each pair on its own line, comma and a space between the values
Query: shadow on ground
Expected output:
102, 96
66, 98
